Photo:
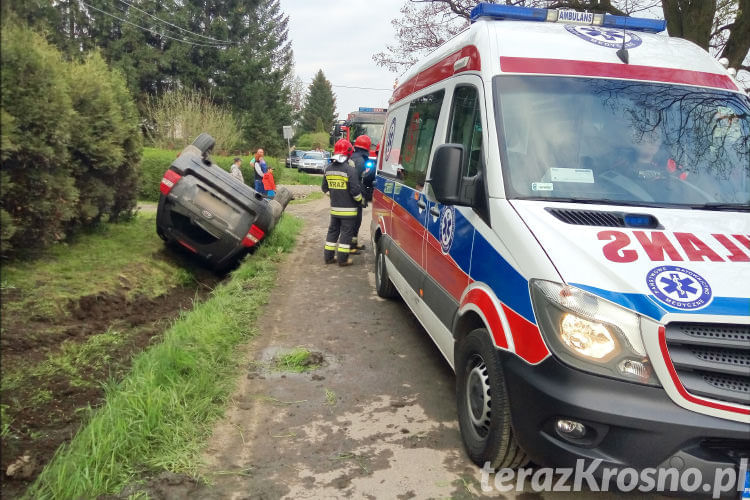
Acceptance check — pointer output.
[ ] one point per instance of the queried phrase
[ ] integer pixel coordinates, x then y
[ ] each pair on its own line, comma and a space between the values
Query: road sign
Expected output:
288, 133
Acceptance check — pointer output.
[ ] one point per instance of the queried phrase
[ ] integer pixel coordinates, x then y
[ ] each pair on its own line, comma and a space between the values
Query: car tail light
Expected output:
168, 181
253, 236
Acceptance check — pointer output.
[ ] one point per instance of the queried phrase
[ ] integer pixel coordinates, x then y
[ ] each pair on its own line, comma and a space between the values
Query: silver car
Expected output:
313, 161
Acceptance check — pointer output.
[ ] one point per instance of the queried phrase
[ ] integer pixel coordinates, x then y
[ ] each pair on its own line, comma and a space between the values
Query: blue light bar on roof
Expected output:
499, 12
635, 23
496, 11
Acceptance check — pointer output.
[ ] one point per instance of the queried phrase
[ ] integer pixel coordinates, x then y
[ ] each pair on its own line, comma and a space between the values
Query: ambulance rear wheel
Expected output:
383, 285
483, 405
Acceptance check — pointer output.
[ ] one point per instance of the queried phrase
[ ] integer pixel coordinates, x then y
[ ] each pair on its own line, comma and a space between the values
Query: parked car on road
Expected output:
294, 158
206, 210
313, 161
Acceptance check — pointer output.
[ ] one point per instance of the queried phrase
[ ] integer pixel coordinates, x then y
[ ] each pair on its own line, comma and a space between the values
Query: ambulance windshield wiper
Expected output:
722, 206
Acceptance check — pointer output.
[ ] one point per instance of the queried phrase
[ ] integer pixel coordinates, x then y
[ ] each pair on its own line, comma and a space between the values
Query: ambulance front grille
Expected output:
712, 360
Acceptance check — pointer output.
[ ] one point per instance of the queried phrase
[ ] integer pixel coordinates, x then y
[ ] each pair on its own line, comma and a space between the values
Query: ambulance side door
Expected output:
450, 229
409, 213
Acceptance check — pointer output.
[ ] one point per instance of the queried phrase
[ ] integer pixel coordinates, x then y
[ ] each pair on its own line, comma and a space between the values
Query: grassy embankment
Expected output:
158, 417
92, 262
74, 315
156, 161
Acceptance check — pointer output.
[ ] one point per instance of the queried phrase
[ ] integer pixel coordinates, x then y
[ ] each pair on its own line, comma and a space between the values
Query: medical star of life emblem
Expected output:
605, 37
679, 287
389, 139
447, 227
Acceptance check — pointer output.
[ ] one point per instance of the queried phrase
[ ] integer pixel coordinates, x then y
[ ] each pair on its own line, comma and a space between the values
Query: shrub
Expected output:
315, 140
153, 165
105, 142
177, 117
156, 161
70, 143
39, 196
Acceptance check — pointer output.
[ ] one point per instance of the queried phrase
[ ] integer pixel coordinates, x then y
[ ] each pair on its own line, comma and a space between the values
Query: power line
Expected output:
164, 30
225, 42
149, 29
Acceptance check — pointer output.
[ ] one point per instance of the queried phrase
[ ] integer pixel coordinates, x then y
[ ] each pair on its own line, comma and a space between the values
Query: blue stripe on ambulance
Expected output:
648, 305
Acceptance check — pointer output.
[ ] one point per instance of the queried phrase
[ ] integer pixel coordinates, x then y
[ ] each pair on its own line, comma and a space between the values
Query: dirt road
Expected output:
378, 420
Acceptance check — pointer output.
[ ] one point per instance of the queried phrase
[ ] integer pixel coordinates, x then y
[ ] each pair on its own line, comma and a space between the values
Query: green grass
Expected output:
105, 259
160, 415
72, 361
297, 361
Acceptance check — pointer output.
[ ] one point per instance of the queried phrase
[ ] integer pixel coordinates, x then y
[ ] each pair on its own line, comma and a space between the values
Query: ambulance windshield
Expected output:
629, 142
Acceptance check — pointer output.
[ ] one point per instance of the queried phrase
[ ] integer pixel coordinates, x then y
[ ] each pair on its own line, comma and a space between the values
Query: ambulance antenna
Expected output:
623, 52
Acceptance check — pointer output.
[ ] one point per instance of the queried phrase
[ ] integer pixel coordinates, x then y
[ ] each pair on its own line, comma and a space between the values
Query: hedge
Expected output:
70, 143
156, 161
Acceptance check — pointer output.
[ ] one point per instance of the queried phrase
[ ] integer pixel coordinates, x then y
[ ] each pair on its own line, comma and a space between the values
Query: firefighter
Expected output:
341, 181
359, 157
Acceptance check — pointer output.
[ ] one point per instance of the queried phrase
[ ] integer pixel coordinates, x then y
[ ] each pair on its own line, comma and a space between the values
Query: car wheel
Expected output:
204, 142
483, 405
383, 285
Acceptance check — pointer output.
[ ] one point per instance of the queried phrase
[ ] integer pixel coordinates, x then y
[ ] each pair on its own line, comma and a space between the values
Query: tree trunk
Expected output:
690, 19
738, 44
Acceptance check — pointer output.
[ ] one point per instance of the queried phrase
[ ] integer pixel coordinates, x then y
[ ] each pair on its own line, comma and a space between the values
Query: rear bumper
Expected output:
218, 248
628, 425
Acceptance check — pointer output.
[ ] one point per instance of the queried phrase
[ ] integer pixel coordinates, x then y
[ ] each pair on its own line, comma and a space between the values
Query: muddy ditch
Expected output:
47, 406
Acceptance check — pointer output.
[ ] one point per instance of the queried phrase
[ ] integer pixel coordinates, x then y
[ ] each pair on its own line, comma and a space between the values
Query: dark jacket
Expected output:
343, 183
359, 157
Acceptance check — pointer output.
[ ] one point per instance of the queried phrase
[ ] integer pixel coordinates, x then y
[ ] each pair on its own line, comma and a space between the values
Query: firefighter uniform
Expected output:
359, 157
341, 180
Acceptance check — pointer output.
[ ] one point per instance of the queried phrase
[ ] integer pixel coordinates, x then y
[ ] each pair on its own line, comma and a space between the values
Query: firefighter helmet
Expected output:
363, 142
342, 150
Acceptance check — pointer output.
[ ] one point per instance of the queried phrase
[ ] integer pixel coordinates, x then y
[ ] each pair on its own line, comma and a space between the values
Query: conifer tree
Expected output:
320, 105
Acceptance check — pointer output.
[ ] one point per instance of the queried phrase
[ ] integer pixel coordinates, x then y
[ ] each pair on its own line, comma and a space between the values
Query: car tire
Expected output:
483, 404
204, 142
383, 285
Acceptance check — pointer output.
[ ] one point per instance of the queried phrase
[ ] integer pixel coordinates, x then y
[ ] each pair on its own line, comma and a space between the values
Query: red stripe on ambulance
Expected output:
614, 70
658, 247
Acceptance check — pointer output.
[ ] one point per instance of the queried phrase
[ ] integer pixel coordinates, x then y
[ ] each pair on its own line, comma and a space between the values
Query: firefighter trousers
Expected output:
357, 225
339, 239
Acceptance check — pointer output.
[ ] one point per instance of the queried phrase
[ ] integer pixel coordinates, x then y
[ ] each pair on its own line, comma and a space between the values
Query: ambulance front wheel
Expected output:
483, 405
383, 285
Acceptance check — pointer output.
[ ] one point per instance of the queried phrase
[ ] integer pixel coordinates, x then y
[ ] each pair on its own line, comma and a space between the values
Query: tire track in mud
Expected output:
39, 426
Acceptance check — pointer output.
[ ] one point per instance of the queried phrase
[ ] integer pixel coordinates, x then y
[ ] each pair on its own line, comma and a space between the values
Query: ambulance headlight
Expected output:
590, 333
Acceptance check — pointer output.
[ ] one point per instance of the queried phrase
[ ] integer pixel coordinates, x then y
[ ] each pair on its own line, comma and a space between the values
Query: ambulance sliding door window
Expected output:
419, 132
466, 127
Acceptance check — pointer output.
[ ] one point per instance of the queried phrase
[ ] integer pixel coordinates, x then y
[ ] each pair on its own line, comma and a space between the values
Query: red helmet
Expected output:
363, 142
343, 147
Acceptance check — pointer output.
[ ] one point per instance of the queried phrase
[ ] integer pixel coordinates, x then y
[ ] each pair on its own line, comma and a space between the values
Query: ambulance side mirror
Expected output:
446, 175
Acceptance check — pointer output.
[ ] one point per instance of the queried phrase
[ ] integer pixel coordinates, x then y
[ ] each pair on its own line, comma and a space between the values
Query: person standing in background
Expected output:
359, 157
260, 169
236, 171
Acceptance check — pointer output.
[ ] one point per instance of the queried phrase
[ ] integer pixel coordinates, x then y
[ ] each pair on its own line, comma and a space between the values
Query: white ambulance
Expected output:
563, 200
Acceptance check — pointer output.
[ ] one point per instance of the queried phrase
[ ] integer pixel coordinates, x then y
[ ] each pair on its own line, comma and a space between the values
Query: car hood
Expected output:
693, 262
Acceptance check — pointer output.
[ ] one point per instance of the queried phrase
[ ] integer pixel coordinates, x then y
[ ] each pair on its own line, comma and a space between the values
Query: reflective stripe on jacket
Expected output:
341, 180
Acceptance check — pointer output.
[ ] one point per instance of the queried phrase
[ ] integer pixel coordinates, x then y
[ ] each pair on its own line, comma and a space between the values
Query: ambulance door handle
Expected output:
435, 210
421, 204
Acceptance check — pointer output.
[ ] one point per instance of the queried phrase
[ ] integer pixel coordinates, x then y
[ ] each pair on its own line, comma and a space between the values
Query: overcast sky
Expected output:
340, 38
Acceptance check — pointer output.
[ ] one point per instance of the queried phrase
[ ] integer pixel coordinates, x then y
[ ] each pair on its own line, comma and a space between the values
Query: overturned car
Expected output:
206, 210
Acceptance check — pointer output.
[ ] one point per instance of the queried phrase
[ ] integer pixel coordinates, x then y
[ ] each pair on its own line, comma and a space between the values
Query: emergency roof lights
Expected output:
495, 11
